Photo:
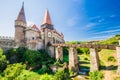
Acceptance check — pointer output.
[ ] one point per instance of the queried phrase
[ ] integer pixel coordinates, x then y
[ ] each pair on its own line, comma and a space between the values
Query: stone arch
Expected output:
50, 49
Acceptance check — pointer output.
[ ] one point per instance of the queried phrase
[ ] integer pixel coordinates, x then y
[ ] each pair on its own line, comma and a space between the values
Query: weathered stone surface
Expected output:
6, 42
99, 46
19, 35
73, 59
118, 58
94, 60
59, 53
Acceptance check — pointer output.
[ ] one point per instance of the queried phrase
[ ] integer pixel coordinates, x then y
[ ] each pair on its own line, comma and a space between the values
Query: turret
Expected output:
20, 25
47, 23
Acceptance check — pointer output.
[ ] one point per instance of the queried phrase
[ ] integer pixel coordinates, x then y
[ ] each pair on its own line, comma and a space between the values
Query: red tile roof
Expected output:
36, 28
21, 15
47, 18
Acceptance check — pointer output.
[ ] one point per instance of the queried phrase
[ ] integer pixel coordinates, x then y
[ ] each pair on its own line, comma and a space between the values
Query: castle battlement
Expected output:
7, 37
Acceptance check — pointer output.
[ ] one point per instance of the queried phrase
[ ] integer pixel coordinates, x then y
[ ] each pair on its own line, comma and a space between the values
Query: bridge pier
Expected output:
73, 59
94, 60
59, 53
118, 58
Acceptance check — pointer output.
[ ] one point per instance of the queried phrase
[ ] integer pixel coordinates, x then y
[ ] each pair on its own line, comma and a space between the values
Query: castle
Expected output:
31, 36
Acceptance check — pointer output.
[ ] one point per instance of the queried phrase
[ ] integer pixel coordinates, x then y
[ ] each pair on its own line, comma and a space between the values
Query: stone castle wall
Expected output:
7, 42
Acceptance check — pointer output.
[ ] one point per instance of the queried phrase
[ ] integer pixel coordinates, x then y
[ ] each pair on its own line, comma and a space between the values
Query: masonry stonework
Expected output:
118, 58
94, 60
59, 53
73, 59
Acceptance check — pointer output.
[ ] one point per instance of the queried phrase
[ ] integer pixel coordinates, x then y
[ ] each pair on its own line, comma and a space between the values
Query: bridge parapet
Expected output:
99, 46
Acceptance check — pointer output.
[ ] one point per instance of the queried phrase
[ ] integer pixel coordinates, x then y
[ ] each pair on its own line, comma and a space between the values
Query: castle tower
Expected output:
20, 25
47, 23
47, 28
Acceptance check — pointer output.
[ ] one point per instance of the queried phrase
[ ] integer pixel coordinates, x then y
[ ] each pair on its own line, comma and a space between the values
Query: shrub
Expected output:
71, 73
85, 50
79, 51
96, 75
85, 58
58, 63
46, 77
61, 75
111, 58
28, 75
43, 70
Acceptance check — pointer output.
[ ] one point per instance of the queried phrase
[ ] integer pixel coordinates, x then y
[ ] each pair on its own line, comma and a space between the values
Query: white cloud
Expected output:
89, 25
72, 21
101, 37
108, 31
95, 17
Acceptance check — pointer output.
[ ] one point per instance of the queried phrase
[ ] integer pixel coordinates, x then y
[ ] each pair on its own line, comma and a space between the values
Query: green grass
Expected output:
84, 61
104, 54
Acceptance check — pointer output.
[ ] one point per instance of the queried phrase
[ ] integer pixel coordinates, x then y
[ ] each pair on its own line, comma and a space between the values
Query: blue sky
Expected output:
78, 20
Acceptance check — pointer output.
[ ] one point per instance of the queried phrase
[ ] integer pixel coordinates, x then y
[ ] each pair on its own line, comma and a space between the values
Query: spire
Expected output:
47, 18
21, 15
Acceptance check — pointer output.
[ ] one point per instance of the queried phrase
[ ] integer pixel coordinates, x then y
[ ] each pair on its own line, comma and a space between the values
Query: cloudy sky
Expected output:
78, 20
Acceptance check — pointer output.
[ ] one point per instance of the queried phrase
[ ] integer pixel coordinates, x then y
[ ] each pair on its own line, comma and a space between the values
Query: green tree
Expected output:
15, 55
32, 57
13, 70
3, 61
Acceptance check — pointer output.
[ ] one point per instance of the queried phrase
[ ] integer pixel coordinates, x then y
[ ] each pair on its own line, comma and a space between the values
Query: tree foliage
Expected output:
46, 77
32, 57
3, 61
22, 60
15, 55
96, 75
13, 70
61, 75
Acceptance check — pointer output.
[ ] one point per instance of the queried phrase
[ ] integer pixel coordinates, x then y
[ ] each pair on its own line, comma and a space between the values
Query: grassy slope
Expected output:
84, 61
103, 55
110, 66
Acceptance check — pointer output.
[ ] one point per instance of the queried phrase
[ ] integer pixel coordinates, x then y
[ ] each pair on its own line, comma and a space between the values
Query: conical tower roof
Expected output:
21, 16
47, 19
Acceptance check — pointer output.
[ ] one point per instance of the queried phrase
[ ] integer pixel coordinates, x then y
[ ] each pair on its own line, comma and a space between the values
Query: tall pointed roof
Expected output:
47, 18
21, 15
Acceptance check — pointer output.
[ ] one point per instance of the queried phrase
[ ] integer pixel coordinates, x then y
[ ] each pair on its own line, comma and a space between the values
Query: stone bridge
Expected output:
94, 58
